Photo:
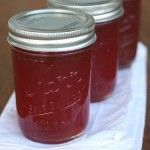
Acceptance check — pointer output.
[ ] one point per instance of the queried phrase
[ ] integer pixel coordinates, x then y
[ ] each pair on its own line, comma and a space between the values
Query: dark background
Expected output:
11, 7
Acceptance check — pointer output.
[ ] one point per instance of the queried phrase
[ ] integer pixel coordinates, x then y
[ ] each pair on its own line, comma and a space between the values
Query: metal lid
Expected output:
51, 30
101, 10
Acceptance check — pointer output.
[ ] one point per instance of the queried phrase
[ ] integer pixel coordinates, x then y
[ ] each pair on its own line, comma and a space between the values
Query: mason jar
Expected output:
129, 32
51, 53
105, 55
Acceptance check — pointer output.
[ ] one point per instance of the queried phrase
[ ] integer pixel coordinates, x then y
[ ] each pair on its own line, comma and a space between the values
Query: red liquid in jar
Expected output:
104, 67
129, 31
52, 93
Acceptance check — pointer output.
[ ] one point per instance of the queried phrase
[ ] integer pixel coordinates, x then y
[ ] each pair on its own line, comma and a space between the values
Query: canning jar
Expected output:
51, 53
129, 31
105, 55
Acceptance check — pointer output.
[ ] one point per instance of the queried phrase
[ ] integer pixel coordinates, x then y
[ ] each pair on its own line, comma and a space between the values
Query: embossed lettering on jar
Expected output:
105, 56
51, 52
129, 32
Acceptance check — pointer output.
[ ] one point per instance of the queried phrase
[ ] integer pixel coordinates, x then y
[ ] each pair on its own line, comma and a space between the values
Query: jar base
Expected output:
125, 66
60, 141
99, 97
95, 100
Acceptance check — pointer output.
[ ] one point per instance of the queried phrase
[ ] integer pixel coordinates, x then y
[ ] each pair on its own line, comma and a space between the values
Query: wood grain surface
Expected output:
11, 7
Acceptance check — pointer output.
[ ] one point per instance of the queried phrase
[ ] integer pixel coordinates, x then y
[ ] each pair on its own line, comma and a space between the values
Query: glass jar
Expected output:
105, 55
129, 32
51, 53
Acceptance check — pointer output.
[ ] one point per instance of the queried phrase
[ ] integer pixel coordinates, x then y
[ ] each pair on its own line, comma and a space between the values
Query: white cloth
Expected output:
115, 124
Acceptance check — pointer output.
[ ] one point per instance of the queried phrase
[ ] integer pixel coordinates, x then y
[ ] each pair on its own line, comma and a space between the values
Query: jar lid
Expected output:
101, 10
51, 30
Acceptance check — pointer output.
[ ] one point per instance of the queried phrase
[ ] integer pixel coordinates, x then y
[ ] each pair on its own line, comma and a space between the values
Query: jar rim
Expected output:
51, 30
101, 10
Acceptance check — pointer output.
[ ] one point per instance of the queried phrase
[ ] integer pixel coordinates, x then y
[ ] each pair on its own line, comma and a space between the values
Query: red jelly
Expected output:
129, 31
52, 67
105, 55
105, 60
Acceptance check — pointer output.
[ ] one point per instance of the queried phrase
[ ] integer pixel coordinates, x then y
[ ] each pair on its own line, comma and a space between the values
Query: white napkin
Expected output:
115, 124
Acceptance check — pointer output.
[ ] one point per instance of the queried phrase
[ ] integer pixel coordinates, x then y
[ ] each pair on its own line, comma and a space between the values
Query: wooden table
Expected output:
11, 7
